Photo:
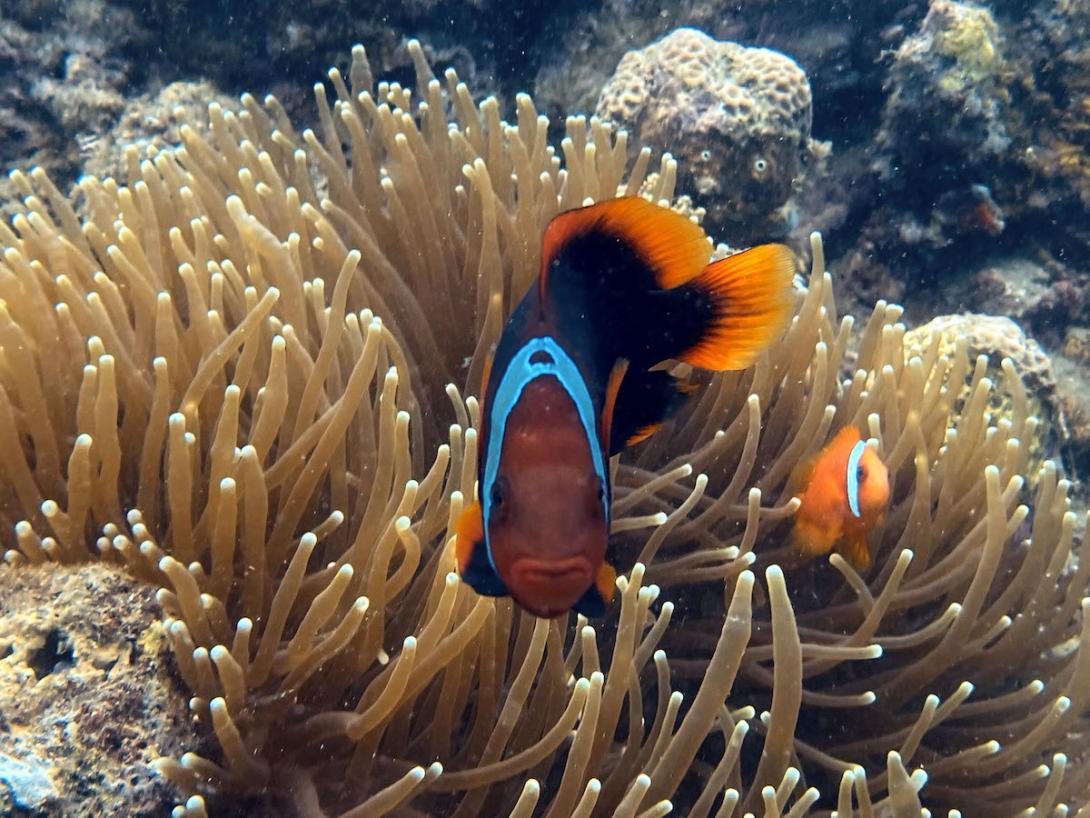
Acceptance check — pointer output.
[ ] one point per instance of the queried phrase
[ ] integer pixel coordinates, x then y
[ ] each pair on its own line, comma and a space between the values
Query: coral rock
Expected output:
998, 337
949, 122
946, 85
149, 122
87, 694
737, 118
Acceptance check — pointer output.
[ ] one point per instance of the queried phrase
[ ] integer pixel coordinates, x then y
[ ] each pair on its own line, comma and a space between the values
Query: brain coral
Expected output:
737, 118
245, 373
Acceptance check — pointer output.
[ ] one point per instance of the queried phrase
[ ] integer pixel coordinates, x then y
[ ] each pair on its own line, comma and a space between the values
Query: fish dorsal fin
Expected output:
673, 248
802, 473
841, 442
846, 437
747, 303
634, 276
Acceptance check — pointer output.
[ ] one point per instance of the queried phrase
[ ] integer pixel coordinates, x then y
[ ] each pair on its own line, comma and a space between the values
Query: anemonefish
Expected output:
623, 286
846, 493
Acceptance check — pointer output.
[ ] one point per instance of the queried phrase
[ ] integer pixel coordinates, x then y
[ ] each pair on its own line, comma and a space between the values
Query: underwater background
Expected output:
244, 322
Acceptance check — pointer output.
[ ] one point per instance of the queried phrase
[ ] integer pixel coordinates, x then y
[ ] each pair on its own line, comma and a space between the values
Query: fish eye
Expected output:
861, 474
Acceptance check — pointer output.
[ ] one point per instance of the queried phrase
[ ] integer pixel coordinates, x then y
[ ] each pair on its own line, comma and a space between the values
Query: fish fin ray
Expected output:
642, 434
472, 560
672, 248
856, 550
486, 372
606, 580
609, 404
746, 302
803, 472
643, 402
594, 602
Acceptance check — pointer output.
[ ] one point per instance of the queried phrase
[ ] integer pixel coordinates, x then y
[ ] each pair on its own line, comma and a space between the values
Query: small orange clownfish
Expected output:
845, 497
623, 286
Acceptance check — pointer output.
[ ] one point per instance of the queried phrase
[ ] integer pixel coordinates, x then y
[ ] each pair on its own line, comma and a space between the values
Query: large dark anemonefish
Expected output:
624, 285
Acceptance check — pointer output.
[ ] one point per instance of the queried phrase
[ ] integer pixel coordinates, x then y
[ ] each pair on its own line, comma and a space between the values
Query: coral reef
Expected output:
239, 45
149, 120
61, 79
947, 120
737, 118
25, 130
243, 371
1045, 298
1073, 392
88, 693
838, 43
68, 68
977, 156
580, 63
1058, 35
964, 204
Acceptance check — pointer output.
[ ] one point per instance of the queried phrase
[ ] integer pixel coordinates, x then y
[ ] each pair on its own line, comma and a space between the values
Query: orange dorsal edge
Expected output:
674, 248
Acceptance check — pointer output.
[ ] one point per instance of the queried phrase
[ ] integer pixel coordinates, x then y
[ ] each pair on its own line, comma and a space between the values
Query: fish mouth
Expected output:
548, 588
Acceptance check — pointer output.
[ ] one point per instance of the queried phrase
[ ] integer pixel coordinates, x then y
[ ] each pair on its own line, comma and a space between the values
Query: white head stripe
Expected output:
519, 373
853, 476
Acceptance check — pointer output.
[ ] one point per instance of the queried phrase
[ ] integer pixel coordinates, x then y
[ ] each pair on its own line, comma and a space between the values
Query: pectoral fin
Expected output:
594, 602
644, 400
856, 550
471, 553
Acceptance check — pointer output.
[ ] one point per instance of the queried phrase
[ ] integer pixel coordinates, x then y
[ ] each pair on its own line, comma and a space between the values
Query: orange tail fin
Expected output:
750, 296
